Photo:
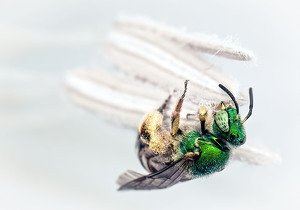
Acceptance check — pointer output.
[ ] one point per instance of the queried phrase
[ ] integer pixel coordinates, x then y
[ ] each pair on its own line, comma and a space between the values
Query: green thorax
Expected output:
213, 158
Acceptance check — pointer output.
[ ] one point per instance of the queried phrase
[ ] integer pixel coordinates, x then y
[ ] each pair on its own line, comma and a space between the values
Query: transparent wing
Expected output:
254, 155
153, 60
164, 178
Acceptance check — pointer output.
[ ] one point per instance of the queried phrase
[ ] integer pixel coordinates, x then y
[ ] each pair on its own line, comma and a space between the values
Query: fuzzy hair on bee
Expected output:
186, 110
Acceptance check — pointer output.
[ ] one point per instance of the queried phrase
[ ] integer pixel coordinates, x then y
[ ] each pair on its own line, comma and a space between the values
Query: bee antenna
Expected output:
250, 106
231, 96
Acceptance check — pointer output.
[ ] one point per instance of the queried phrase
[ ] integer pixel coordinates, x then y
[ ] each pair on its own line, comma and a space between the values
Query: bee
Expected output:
184, 153
190, 134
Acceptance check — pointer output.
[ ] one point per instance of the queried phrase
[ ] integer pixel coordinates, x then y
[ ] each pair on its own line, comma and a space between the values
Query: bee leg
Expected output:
190, 116
176, 113
196, 154
164, 105
202, 118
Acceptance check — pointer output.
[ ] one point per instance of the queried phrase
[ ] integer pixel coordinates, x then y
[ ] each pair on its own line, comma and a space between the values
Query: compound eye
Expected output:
222, 121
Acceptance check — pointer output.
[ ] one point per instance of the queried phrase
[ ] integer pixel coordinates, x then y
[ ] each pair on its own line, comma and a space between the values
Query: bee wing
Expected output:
154, 60
254, 155
164, 178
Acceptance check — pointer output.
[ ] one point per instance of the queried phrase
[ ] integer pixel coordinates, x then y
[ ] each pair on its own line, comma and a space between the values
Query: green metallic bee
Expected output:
202, 132
184, 152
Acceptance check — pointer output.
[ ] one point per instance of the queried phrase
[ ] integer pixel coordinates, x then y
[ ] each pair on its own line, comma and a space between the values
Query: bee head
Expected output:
227, 122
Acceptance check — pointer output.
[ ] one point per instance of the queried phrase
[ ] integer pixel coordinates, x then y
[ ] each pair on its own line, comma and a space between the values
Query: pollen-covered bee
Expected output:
182, 153
192, 133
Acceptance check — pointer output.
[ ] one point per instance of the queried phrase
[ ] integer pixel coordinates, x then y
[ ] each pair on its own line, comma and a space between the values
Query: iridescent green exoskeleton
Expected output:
182, 153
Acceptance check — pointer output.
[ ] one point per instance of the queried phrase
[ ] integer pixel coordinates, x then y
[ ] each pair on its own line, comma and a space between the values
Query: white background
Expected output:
54, 155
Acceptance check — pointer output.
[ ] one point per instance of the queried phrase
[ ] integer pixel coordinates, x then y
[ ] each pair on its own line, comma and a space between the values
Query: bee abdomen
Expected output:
151, 161
153, 134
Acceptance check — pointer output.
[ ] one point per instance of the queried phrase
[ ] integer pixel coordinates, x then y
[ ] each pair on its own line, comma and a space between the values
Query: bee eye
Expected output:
237, 136
232, 137
222, 121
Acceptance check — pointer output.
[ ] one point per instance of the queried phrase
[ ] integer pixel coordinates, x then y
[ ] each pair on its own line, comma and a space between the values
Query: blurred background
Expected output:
54, 155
